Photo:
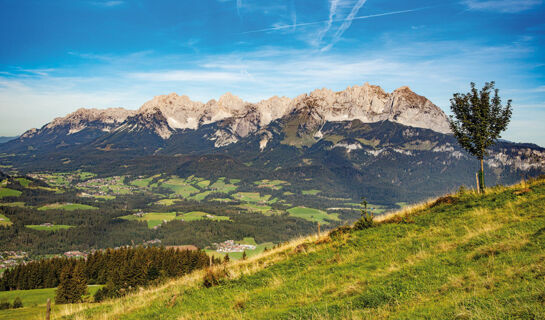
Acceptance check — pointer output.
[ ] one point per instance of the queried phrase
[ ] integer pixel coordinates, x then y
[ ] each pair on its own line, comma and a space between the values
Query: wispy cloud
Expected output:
304, 24
239, 6
345, 25
332, 12
107, 4
503, 6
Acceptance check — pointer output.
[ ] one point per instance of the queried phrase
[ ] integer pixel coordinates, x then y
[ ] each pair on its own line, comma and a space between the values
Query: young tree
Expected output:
479, 118
366, 220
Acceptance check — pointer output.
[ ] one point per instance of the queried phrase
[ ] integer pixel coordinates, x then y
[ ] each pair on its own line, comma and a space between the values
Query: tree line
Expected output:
122, 270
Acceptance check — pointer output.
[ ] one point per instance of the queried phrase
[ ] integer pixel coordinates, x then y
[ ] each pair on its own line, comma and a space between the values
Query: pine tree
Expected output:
63, 294
479, 118
80, 281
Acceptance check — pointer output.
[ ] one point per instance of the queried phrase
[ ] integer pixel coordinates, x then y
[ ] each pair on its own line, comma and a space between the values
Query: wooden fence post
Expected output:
318, 229
48, 310
478, 182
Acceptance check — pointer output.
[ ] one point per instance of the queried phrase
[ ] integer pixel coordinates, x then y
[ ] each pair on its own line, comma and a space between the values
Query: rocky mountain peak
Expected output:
367, 103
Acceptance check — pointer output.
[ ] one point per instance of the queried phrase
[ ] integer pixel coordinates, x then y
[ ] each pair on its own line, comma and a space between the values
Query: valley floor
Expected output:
464, 256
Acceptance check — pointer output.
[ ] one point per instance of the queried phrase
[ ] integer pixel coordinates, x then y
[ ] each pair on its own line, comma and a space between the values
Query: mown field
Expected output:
464, 256
67, 207
34, 302
49, 228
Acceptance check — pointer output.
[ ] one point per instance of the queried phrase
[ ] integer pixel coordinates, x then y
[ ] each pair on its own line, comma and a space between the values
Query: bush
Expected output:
213, 278
366, 220
17, 303
339, 232
4, 305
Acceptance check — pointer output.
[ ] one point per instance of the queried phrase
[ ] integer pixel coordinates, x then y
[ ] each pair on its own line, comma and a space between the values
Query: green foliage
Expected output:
72, 284
17, 303
366, 220
479, 118
123, 270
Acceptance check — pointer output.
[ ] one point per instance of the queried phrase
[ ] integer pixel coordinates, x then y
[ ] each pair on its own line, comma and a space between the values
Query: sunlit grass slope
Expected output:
464, 256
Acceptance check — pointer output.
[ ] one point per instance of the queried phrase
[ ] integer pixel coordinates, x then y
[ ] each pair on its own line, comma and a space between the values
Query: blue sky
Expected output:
59, 55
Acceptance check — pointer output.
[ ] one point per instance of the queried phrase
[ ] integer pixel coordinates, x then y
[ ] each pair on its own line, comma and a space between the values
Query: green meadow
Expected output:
312, 214
7, 192
199, 215
153, 218
463, 256
49, 228
34, 302
5, 221
67, 207
311, 192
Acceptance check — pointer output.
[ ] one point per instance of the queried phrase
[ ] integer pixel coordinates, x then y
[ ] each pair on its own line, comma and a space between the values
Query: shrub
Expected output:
4, 305
366, 220
17, 303
213, 277
339, 232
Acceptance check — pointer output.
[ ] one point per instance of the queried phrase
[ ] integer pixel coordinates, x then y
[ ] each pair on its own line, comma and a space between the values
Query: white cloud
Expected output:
503, 6
433, 69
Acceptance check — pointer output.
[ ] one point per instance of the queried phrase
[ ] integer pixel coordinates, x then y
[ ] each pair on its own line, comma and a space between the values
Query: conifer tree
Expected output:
479, 118
63, 294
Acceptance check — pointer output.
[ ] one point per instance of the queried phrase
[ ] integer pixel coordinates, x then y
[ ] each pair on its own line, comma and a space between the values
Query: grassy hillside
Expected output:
463, 256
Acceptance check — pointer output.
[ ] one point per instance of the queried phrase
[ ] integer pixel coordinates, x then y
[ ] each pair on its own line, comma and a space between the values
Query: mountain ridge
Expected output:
367, 103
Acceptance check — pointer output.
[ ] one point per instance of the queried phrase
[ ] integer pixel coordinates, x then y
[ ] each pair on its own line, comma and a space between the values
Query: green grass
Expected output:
12, 204
34, 302
180, 187
167, 202
253, 197
153, 218
199, 215
260, 208
5, 221
466, 257
7, 192
222, 187
23, 182
142, 183
203, 184
248, 240
238, 255
52, 228
223, 200
312, 214
200, 196
311, 192
67, 207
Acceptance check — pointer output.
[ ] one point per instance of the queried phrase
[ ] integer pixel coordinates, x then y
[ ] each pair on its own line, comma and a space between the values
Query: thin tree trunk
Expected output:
482, 175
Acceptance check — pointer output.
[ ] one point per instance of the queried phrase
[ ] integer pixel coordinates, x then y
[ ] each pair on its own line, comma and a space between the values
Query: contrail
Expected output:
336, 20
332, 13
346, 24
239, 5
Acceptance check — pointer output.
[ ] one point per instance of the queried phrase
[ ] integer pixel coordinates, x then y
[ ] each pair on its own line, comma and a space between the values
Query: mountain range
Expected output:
361, 141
